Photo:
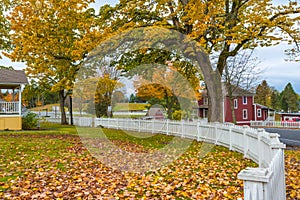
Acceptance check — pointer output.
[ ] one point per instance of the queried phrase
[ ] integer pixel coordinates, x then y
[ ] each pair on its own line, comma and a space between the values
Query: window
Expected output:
235, 103
245, 114
258, 112
244, 100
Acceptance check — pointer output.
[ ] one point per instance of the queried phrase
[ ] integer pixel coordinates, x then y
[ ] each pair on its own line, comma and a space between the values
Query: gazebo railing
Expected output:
9, 107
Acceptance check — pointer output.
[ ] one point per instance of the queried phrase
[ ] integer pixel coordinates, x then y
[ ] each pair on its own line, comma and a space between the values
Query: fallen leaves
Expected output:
60, 167
292, 173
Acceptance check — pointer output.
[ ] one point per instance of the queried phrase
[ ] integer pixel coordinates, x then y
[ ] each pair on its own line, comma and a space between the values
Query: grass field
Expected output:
54, 164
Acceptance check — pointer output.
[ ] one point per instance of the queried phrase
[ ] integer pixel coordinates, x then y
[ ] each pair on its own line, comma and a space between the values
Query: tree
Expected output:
222, 27
275, 99
33, 92
4, 67
161, 75
168, 87
4, 25
103, 95
263, 94
53, 38
289, 99
241, 72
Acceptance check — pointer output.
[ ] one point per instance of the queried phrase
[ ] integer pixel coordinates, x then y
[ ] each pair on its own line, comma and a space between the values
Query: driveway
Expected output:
287, 136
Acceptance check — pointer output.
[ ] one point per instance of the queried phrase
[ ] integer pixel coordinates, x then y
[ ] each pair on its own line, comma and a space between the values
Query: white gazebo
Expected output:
11, 111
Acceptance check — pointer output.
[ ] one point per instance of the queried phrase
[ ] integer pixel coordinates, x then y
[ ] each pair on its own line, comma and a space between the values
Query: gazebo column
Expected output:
20, 98
13, 95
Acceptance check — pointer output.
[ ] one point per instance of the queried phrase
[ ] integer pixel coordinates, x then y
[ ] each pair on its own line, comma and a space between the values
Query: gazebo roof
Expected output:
10, 79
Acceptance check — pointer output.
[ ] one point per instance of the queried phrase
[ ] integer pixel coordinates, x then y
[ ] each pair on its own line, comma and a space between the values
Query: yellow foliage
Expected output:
52, 37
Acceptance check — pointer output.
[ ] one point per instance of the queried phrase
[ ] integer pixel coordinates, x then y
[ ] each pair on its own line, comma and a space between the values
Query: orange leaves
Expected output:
56, 166
292, 172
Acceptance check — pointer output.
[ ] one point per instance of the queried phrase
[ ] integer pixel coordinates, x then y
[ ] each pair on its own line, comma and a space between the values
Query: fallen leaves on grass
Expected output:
60, 167
292, 173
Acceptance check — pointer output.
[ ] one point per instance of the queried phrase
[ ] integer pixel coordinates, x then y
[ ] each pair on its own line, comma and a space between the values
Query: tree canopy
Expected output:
286, 100
4, 26
264, 94
289, 99
222, 27
52, 38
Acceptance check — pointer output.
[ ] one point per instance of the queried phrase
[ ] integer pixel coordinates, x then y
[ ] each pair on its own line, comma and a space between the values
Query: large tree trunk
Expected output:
215, 94
214, 87
62, 98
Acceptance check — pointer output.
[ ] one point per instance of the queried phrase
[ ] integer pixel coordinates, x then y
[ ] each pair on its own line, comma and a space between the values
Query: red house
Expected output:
243, 106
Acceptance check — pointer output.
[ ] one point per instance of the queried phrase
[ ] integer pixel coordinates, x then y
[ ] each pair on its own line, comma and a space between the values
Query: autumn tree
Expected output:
169, 87
162, 74
222, 27
104, 94
263, 94
34, 93
52, 38
4, 25
289, 99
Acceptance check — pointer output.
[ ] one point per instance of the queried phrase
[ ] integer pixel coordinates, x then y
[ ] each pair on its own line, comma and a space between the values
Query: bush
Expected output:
29, 121
179, 115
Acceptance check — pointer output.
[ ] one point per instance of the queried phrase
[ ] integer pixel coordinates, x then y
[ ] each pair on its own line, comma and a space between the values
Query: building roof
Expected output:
10, 79
264, 107
238, 91
287, 113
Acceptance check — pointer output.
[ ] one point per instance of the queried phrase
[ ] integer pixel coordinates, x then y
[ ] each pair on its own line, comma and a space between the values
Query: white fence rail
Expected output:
279, 124
9, 107
265, 182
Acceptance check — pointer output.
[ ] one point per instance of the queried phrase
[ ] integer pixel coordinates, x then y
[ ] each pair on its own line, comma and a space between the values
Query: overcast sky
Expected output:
277, 71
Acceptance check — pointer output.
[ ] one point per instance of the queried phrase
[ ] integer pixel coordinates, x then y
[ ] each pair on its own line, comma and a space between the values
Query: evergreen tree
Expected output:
275, 99
263, 94
289, 99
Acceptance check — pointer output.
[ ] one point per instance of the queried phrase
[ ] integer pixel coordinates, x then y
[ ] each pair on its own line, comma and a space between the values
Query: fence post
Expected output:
182, 135
93, 122
255, 182
198, 131
139, 125
216, 133
167, 127
230, 138
275, 143
246, 145
259, 135
152, 121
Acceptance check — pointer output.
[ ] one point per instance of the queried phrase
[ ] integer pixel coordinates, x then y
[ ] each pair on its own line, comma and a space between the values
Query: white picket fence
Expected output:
275, 124
265, 182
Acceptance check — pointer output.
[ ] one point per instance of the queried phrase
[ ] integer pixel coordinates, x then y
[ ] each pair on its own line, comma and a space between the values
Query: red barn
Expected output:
243, 105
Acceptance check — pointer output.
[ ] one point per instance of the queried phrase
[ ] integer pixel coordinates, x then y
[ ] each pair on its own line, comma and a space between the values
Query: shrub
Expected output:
179, 115
29, 121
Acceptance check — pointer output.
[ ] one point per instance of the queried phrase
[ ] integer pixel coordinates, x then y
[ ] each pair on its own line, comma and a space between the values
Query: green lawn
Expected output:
53, 163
